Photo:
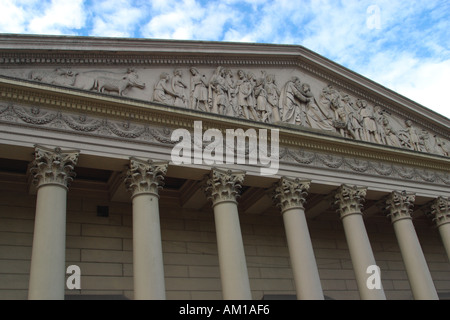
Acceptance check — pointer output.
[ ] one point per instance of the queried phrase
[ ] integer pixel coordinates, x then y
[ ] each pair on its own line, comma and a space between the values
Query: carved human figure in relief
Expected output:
199, 90
273, 94
317, 117
368, 121
442, 146
245, 96
163, 91
262, 108
179, 87
218, 92
232, 93
409, 137
352, 128
389, 135
290, 99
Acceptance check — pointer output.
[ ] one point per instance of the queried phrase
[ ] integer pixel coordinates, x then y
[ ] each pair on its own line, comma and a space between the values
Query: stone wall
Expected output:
102, 248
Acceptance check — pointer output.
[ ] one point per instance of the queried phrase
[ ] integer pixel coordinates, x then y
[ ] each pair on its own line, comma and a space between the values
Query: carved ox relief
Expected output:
100, 81
259, 96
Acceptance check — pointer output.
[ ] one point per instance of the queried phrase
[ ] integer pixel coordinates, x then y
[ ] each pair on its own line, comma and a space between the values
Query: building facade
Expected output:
152, 169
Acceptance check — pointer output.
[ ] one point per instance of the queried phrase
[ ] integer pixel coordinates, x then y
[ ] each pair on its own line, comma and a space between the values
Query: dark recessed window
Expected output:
102, 211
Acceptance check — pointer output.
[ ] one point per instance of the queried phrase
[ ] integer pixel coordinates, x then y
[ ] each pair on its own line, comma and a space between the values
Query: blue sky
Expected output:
403, 45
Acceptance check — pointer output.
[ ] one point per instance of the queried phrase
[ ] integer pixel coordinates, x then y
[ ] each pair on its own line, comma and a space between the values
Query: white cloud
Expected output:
58, 16
410, 53
426, 83
189, 20
116, 18
15, 15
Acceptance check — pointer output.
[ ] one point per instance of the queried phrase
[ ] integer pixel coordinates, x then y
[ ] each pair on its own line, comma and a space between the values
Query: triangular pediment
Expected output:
272, 84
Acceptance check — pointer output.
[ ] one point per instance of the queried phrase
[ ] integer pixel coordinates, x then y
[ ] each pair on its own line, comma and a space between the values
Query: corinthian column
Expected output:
290, 195
349, 201
440, 210
143, 180
222, 189
52, 170
399, 207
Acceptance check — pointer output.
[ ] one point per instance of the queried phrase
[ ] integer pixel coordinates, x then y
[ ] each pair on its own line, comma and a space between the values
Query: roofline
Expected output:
27, 42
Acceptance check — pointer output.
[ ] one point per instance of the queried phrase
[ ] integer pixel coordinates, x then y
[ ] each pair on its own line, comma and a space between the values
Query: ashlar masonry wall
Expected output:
102, 248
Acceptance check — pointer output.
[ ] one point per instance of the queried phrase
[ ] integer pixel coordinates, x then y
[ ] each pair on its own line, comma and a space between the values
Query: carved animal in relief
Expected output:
111, 84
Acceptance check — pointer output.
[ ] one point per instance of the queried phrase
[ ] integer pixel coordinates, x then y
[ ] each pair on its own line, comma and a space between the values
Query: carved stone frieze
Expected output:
82, 123
349, 200
399, 205
266, 95
53, 166
145, 176
290, 193
223, 186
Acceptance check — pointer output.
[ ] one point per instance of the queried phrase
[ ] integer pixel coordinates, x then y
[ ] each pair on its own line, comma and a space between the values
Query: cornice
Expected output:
115, 107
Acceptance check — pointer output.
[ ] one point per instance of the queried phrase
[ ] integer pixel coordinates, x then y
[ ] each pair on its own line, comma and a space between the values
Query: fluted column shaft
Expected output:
399, 207
222, 188
290, 195
144, 179
52, 170
441, 215
349, 201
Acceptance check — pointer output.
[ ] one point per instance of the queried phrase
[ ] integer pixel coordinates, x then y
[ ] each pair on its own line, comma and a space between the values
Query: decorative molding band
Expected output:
137, 59
304, 155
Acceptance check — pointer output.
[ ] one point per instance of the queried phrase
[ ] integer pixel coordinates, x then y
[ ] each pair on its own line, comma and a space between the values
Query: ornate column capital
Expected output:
440, 211
290, 193
399, 205
145, 176
223, 186
53, 166
349, 200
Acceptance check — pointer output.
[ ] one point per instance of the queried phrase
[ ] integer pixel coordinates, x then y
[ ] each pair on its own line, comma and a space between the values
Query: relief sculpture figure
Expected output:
218, 92
58, 76
409, 137
262, 107
245, 96
289, 106
390, 136
317, 117
111, 84
163, 90
179, 87
273, 94
232, 94
368, 121
199, 90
